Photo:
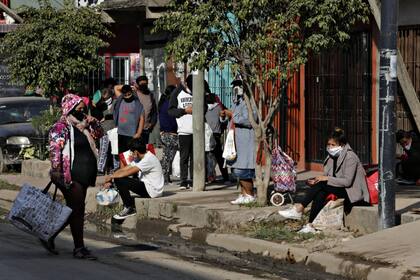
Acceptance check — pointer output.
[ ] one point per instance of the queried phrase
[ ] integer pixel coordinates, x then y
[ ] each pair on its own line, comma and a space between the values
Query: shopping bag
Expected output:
210, 143
229, 151
176, 168
372, 183
37, 213
331, 216
126, 158
283, 171
113, 138
107, 197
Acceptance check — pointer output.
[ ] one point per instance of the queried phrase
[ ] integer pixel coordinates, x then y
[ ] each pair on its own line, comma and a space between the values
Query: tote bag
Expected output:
37, 213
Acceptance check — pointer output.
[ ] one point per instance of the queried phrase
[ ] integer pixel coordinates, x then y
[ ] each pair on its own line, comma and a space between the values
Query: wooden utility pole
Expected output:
199, 161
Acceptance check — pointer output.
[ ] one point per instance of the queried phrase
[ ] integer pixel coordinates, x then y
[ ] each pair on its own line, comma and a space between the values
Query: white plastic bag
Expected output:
107, 197
176, 169
113, 138
229, 151
35, 212
331, 216
210, 143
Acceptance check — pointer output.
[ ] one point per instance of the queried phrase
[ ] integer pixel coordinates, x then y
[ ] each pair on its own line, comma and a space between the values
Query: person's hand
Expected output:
310, 182
107, 186
137, 136
321, 179
108, 179
90, 119
57, 177
188, 110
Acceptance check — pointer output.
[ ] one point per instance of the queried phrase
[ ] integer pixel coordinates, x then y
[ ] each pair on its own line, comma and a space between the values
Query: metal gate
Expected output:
338, 94
409, 46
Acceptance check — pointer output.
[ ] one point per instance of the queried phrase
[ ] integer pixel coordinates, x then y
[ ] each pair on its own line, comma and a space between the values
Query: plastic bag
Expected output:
229, 151
176, 169
372, 183
107, 197
113, 138
210, 143
331, 216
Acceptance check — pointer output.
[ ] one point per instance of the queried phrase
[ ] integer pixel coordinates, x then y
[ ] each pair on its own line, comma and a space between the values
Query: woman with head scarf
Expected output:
73, 158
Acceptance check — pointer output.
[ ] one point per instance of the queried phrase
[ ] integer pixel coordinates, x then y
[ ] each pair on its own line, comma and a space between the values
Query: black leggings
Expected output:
75, 199
318, 193
125, 185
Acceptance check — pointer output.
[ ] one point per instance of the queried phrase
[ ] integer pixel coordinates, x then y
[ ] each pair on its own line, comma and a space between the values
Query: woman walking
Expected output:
73, 158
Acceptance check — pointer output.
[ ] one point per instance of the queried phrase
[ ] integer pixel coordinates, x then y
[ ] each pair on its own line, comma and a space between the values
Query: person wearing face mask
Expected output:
73, 157
147, 99
410, 159
344, 177
243, 166
128, 117
147, 181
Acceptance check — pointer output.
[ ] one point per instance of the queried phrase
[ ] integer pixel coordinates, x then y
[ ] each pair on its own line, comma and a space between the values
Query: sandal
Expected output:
83, 253
49, 246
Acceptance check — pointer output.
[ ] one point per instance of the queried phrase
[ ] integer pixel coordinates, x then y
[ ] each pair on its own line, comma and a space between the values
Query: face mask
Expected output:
79, 115
238, 91
108, 101
143, 88
407, 147
334, 152
129, 99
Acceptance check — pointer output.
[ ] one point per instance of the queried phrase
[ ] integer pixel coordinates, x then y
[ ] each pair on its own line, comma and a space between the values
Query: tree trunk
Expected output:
263, 179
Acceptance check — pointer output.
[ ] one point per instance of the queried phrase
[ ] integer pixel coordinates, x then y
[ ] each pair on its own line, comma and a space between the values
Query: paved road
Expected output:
22, 258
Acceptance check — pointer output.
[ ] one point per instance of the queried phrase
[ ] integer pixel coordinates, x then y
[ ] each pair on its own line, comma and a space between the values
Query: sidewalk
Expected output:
208, 217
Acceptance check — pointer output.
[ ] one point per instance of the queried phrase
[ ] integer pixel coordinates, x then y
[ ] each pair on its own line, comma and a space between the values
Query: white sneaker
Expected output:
308, 229
249, 199
291, 213
238, 201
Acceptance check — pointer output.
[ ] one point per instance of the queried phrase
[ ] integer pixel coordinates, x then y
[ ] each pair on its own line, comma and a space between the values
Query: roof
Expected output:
132, 4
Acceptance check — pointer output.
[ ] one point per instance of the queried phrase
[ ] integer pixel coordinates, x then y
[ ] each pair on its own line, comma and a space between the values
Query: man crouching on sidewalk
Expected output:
142, 176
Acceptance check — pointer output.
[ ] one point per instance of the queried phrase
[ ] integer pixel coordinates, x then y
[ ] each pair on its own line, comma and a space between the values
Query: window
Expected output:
120, 69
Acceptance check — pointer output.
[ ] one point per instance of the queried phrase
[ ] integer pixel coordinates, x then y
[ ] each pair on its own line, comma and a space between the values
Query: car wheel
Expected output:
3, 166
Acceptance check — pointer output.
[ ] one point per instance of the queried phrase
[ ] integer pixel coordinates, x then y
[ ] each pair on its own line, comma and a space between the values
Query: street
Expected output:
22, 257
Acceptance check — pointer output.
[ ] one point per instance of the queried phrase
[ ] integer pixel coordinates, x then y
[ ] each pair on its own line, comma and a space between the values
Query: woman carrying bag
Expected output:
73, 158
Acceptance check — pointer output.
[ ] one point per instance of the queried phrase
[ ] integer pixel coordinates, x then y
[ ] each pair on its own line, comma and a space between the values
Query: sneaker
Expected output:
184, 186
308, 229
291, 213
125, 213
83, 253
49, 246
243, 199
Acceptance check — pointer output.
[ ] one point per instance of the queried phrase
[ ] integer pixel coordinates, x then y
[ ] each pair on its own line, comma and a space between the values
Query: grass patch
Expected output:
282, 231
6, 186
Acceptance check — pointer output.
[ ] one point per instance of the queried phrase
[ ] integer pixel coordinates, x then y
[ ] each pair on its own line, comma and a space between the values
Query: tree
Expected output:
54, 47
265, 41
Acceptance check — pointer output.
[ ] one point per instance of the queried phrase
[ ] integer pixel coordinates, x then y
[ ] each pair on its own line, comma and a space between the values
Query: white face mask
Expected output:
334, 152
407, 147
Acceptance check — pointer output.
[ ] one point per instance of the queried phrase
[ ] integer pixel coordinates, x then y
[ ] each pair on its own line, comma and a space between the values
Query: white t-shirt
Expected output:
151, 174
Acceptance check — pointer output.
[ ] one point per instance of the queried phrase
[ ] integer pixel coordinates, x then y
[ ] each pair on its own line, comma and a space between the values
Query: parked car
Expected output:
16, 130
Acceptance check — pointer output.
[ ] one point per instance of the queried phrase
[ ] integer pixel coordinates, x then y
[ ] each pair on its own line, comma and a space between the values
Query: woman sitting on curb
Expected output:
344, 177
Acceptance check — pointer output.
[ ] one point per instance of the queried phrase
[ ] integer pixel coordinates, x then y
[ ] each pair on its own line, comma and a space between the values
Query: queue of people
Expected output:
80, 150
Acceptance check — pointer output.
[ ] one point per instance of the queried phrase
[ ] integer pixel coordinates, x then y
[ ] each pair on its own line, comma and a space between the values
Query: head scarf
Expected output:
69, 102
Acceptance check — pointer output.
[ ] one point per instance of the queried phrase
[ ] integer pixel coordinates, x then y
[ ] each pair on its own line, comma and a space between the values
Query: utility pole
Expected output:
199, 179
387, 123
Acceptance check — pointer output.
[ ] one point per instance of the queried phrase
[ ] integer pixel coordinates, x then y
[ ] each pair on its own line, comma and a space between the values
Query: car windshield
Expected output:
20, 112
